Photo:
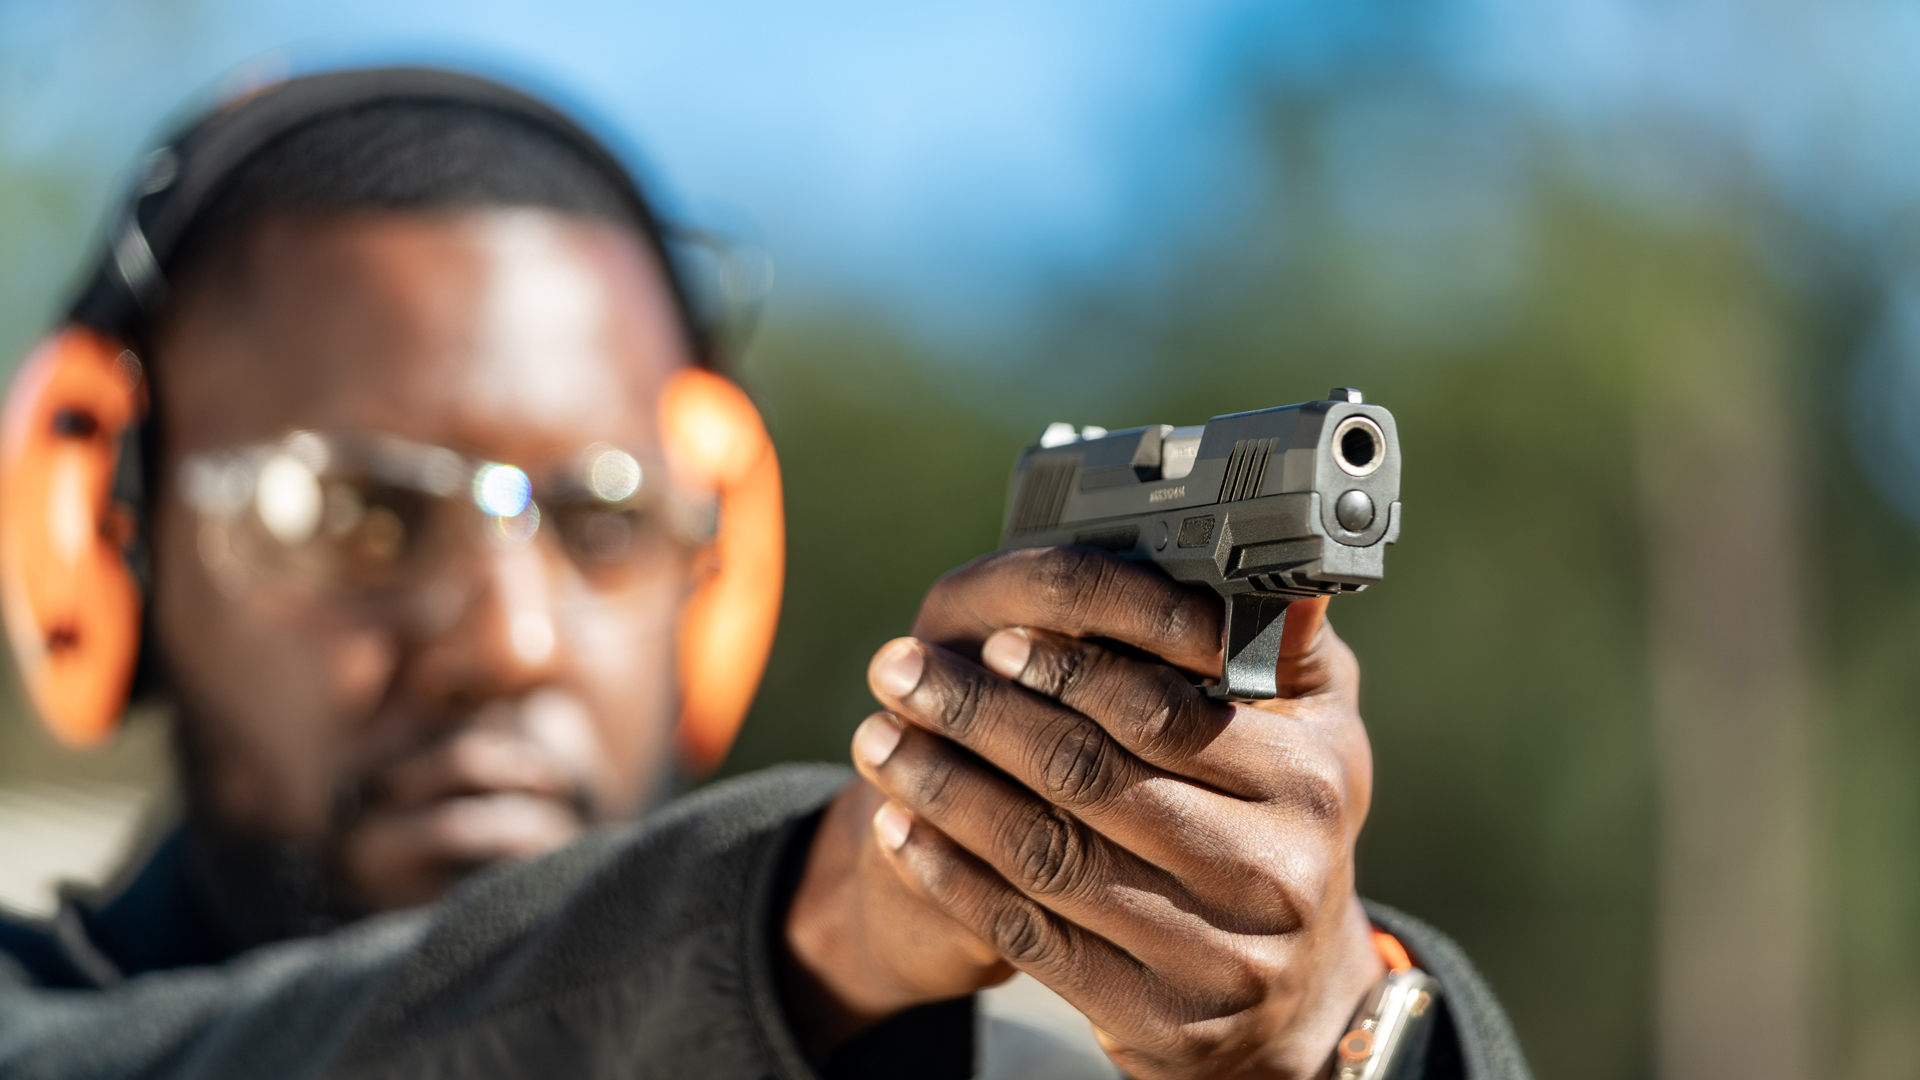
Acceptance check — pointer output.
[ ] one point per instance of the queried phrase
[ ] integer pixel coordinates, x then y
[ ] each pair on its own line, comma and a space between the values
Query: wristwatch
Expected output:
1388, 1037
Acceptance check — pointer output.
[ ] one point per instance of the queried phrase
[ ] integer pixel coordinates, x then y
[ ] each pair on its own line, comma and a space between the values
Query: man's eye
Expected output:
598, 534
368, 525
380, 537
342, 511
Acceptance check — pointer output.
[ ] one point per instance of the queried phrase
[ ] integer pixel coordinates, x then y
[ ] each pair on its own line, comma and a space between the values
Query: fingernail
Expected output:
891, 825
898, 671
877, 737
1006, 653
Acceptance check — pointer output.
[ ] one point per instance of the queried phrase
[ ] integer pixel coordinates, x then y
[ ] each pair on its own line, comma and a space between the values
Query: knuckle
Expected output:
1177, 616
1192, 1043
1063, 581
1261, 968
1265, 886
1312, 788
1163, 719
1079, 769
1311, 867
936, 785
1021, 934
1059, 669
947, 883
1050, 855
960, 705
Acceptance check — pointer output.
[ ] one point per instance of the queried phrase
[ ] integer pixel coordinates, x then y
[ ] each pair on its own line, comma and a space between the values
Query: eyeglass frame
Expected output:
221, 485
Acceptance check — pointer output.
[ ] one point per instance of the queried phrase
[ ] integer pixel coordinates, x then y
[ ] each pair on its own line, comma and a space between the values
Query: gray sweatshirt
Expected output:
646, 951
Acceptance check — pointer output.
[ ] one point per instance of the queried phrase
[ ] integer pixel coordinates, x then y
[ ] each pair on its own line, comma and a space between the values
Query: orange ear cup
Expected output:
71, 604
714, 434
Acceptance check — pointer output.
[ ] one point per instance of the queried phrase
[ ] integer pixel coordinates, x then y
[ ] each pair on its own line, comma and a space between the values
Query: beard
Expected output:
256, 889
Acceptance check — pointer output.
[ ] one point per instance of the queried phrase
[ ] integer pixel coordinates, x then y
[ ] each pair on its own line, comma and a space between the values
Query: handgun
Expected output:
1265, 507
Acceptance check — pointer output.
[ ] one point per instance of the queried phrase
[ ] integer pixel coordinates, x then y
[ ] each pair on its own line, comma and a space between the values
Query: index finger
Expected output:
1076, 591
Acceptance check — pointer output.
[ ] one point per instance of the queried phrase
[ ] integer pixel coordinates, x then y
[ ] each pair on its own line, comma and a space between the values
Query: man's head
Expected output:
449, 277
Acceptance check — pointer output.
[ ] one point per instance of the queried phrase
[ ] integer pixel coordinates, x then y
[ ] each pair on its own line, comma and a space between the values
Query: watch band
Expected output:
1391, 1028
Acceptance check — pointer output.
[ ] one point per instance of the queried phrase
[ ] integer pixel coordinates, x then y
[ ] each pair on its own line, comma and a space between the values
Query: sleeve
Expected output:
1473, 1039
644, 952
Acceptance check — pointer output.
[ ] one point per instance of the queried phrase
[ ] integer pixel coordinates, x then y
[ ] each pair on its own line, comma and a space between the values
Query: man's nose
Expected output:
505, 641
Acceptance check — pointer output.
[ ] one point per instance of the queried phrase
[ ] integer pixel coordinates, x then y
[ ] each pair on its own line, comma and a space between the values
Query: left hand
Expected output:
1179, 869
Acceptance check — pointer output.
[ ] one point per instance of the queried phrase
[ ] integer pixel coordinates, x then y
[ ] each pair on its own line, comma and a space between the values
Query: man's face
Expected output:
406, 751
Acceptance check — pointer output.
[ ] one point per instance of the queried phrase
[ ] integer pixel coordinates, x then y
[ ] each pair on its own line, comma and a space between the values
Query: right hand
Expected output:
875, 947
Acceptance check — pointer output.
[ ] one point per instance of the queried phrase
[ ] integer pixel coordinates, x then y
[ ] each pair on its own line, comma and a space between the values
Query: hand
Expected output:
861, 944
1179, 869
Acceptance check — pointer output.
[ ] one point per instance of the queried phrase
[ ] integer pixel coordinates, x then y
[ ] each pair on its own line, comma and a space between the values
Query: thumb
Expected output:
1310, 652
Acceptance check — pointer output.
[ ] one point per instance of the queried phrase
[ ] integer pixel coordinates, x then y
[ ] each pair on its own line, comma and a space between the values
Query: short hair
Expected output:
408, 155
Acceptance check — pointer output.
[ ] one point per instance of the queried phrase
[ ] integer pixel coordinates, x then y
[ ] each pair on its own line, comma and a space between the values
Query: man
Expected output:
382, 688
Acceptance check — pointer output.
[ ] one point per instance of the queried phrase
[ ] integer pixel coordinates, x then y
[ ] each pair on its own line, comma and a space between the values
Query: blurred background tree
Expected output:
1636, 285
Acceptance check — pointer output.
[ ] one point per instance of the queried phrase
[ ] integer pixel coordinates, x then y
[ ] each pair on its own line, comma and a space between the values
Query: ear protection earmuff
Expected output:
726, 629
70, 595
72, 605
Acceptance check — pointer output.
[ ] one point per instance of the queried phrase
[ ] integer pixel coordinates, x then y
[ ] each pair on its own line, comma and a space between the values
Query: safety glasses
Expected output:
357, 514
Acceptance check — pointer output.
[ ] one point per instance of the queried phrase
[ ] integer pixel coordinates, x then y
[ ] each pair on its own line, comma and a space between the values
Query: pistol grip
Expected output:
1254, 626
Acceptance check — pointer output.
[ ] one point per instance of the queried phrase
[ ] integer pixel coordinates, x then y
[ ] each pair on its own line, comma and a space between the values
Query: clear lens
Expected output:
340, 532
614, 476
287, 498
368, 515
601, 538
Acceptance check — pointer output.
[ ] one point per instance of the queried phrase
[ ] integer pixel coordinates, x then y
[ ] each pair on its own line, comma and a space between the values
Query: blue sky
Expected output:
948, 160
960, 149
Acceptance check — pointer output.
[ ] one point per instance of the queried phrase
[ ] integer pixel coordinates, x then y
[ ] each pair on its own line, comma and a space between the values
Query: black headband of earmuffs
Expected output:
127, 286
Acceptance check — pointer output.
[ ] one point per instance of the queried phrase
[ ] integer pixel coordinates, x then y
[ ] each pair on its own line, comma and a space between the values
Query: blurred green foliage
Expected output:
1506, 674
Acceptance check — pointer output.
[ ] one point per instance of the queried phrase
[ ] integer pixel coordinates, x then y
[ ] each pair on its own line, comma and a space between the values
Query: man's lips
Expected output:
393, 857
477, 762
470, 829
511, 784
486, 793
